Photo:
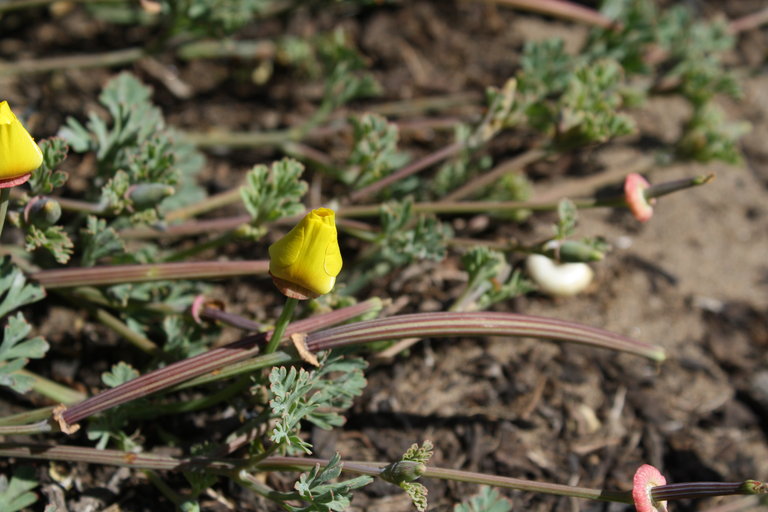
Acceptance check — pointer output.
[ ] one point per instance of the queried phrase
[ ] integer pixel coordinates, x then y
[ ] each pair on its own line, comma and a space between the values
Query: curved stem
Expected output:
447, 324
208, 364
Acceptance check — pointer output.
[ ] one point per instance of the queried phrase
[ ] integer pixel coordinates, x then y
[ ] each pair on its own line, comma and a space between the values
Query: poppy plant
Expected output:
305, 262
19, 154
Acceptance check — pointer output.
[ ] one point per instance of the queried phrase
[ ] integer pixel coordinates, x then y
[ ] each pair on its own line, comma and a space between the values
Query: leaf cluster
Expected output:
15, 348
486, 500
321, 494
374, 152
213, 17
316, 396
491, 279
138, 159
15, 493
110, 425
577, 99
39, 218
271, 193
402, 242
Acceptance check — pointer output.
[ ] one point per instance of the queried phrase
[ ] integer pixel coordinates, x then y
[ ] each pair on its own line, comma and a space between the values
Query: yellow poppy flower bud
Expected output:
305, 262
19, 155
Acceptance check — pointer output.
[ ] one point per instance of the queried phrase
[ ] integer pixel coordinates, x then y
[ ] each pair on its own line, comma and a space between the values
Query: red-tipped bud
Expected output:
646, 478
634, 195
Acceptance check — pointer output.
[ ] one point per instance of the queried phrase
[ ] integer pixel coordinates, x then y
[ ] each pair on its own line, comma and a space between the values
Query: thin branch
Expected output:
204, 363
447, 324
514, 165
116, 274
749, 22
105, 59
560, 9
408, 170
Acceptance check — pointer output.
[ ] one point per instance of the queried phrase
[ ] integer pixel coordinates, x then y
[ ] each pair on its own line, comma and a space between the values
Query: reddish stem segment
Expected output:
449, 324
561, 9
116, 274
199, 365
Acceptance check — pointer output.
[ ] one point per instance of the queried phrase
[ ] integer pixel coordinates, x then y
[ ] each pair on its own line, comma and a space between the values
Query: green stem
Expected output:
53, 390
248, 366
209, 203
514, 165
165, 489
114, 58
204, 402
137, 340
196, 249
438, 208
413, 168
26, 417
231, 467
95, 296
285, 318
253, 484
40, 427
5, 195
527, 485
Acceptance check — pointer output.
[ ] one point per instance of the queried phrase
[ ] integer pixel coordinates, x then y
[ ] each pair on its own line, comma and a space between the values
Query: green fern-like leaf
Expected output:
15, 494
15, 352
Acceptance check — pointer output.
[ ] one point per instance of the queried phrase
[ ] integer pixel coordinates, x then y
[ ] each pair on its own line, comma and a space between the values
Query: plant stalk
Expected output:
285, 317
5, 195
117, 274
207, 362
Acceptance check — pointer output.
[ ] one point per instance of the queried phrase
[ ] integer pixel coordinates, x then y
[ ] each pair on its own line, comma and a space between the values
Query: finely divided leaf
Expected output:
45, 178
17, 292
321, 494
487, 500
15, 352
15, 495
99, 241
275, 192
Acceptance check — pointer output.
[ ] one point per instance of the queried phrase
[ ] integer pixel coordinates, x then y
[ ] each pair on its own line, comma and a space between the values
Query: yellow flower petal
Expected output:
305, 262
19, 154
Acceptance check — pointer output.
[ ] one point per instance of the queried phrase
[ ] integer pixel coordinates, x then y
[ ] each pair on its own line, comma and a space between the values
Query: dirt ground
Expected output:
694, 279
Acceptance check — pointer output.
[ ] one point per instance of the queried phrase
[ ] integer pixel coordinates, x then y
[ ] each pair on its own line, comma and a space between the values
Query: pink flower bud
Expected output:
646, 478
641, 208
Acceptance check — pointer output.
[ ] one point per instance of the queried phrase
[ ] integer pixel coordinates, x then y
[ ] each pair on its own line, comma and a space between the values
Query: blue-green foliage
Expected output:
321, 494
315, 396
15, 493
486, 500
134, 147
